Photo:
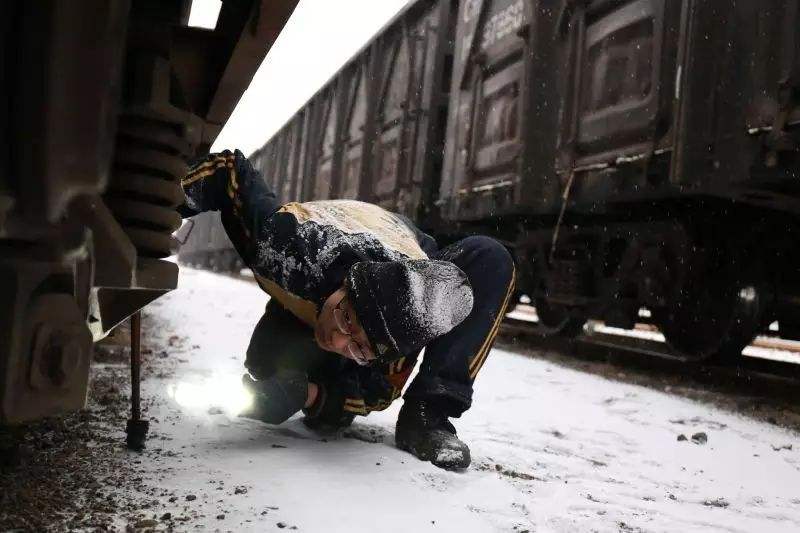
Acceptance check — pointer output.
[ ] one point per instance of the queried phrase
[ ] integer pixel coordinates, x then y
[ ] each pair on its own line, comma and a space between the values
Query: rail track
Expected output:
769, 367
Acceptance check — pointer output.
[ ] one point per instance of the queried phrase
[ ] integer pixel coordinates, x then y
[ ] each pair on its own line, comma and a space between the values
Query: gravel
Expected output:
73, 472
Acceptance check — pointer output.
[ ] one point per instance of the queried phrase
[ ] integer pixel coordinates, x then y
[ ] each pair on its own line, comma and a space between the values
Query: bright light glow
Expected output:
224, 392
204, 14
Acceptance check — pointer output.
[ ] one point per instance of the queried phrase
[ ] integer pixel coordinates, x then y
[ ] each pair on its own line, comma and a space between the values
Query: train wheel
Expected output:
716, 315
556, 320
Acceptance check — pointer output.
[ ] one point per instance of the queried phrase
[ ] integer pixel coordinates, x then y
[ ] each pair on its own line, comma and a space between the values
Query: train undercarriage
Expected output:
711, 275
105, 103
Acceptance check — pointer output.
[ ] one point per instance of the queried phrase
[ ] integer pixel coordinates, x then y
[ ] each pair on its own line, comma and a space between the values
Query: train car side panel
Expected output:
624, 70
484, 139
302, 155
749, 151
291, 155
356, 139
327, 152
395, 70
433, 68
413, 74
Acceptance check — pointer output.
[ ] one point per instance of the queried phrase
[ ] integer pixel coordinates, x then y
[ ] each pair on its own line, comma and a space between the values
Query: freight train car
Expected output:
647, 152
630, 153
103, 102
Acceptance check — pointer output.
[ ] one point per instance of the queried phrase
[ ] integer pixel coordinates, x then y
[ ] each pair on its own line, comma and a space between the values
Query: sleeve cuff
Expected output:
314, 410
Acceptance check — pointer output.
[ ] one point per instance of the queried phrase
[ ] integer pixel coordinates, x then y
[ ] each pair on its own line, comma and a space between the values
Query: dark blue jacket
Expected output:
301, 252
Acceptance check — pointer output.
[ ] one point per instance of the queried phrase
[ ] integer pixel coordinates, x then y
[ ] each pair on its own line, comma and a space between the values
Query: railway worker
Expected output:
356, 293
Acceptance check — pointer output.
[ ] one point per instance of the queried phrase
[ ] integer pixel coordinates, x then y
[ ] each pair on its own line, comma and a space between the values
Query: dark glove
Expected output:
277, 397
327, 413
204, 186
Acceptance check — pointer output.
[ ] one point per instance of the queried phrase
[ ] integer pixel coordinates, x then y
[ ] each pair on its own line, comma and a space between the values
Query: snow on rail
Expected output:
763, 347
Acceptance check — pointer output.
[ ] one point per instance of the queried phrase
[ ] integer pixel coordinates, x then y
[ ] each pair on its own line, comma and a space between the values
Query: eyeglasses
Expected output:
344, 323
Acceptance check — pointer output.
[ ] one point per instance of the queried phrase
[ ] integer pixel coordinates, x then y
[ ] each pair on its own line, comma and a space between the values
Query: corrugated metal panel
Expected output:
327, 125
738, 117
624, 66
303, 163
392, 102
542, 96
355, 138
413, 80
485, 135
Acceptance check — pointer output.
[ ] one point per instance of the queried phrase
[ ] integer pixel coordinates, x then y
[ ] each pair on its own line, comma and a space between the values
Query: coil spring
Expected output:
145, 183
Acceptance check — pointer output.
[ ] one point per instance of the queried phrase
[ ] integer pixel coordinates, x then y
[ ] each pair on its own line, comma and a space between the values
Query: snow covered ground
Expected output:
554, 449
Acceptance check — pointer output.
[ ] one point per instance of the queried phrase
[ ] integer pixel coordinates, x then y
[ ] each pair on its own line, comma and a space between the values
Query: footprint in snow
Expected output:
698, 421
364, 433
435, 481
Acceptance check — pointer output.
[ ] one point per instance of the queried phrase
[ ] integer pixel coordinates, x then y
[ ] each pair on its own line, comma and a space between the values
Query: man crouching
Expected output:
356, 293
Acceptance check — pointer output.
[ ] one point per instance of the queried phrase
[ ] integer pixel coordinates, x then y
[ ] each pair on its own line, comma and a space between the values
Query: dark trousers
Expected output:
450, 363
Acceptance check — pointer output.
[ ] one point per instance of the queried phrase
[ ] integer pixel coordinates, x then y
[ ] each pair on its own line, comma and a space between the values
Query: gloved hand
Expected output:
277, 397
327, 414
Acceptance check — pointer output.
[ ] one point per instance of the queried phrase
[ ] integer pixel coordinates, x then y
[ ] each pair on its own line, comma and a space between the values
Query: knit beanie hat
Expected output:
404, 305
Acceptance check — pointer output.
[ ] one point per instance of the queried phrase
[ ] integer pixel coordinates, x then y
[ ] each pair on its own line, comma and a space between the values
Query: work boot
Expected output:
424, 430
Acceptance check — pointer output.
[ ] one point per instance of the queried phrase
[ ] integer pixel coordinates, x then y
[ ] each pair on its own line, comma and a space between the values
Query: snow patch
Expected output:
549, 452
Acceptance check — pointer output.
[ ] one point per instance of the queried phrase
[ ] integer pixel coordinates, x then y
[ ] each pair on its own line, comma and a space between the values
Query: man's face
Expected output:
338, 329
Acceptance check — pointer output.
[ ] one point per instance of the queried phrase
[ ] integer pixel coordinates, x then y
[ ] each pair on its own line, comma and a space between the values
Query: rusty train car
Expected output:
376, 130
630, 153
104, 102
